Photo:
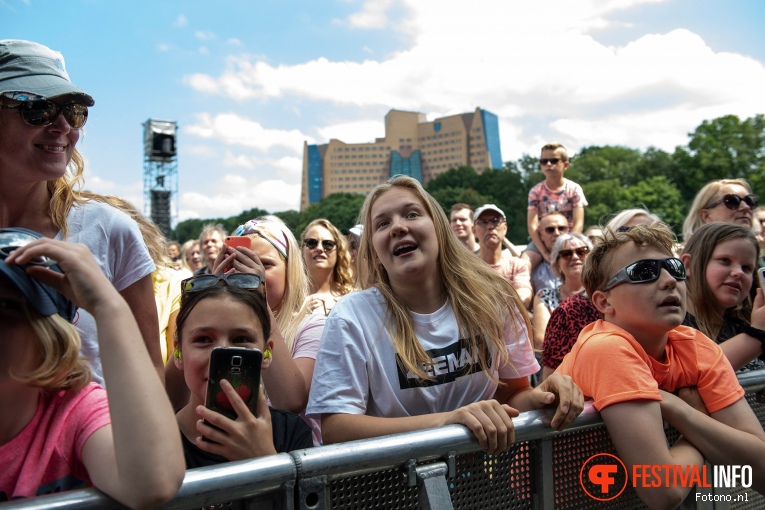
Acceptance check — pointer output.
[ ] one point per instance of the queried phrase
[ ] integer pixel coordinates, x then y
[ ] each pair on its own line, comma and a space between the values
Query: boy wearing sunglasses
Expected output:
554, 194
640, 366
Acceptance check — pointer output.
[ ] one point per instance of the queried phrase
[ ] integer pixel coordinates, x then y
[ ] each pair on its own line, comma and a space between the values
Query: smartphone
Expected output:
240, 367
761, 274
234, 241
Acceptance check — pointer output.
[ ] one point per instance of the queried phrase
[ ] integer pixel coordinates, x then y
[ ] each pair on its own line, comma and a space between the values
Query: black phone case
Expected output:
240, 367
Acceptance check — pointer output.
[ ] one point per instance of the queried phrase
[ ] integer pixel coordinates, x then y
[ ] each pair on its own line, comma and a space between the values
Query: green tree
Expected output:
722, 148
341, 209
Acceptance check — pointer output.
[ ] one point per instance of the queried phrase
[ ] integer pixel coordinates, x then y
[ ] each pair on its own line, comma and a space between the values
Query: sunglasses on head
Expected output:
494, 221
44, 113
326, 245
733, 201
647, 270
12, 238
556, 228
581, 252
246, 281
552, 161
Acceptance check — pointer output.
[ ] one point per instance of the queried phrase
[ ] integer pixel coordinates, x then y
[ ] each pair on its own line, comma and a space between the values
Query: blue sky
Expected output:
249, 81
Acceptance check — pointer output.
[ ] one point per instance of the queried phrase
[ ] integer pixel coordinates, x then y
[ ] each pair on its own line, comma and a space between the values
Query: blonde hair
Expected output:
597, 268
557, 148
479, 296
57, 347
293, 308
703, 199
64, 192
342, 276
185, 248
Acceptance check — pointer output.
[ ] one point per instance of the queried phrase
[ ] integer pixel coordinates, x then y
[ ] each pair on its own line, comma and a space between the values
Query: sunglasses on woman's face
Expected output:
45, 113
581, 252
647, 270
246, 281
733, 201
326, 245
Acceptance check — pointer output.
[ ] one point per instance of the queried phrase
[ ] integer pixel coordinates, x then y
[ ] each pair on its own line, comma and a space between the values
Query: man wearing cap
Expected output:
41, 117
490, 227
461, 222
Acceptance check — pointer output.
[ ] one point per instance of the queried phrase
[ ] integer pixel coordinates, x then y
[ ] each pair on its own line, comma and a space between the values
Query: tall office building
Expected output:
411, 146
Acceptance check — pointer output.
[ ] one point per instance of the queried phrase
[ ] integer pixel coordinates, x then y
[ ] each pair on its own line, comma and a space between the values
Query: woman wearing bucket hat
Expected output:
58, 430
41, 172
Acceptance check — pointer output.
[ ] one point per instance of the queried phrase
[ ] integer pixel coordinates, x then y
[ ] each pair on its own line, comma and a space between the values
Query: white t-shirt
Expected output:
356, 370
117, 245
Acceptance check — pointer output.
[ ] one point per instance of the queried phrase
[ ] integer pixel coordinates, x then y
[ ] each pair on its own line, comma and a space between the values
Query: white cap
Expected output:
488, 207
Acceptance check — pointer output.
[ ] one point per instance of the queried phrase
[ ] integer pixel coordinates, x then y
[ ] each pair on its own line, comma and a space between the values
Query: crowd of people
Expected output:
410, 320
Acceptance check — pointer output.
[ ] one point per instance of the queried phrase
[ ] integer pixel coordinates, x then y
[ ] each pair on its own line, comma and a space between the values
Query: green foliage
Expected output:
341, 209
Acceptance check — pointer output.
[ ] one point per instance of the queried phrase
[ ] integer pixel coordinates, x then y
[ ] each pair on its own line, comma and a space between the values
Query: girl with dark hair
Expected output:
228, 310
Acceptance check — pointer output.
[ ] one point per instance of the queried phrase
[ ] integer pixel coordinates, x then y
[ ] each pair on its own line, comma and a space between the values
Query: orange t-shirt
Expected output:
610, 366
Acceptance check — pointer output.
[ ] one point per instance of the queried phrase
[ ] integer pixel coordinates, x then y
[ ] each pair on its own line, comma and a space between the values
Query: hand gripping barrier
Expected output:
439, 469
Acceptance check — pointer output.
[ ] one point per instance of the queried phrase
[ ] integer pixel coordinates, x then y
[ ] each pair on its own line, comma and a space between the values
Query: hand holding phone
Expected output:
241, 368
234, 241
761, 275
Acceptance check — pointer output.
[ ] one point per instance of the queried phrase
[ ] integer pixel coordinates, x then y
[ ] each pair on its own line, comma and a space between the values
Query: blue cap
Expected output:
42, 298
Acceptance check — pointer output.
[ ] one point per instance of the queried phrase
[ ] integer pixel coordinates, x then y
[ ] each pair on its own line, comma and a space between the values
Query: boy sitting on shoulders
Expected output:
635, 361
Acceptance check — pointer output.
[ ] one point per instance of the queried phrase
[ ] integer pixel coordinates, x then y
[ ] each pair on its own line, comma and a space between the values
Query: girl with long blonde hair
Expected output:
435, 336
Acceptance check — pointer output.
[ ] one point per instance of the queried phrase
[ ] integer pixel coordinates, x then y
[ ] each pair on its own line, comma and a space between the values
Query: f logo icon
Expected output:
606, 477
602, 475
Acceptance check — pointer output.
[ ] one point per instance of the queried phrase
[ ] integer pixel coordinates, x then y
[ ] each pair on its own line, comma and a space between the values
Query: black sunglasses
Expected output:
647, 270
44, 113
552, 161
580, 252
733, 201
242, 280
311, 244
556, 228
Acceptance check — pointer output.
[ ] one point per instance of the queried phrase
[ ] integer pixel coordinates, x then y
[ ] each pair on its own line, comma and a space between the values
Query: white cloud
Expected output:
162, 47
372, 15
233, 41
180, 21
204, 35
538, 65
548, 75
364, 131
237, 193
234, 129
203, 50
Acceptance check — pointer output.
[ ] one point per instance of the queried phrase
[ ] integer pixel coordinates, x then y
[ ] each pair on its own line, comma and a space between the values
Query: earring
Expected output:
177, 353
267, 354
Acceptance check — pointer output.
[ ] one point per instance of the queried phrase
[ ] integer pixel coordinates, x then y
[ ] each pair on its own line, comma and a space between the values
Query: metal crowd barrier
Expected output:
440, 468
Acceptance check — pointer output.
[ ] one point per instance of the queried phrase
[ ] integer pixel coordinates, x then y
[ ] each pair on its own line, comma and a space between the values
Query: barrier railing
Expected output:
432, 469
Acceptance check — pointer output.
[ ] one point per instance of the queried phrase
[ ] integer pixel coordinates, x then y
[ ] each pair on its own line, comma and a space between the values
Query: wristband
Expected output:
759, 334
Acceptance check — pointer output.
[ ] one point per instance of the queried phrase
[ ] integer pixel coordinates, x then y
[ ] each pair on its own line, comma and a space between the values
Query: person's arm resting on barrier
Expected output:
732, 435
637, 431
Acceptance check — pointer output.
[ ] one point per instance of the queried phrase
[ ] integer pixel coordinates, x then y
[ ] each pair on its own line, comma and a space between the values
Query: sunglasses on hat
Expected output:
647, 270
44, 113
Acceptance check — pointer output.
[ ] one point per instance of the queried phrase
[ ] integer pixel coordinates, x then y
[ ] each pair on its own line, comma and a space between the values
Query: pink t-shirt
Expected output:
515, 270
545, 200
46, 456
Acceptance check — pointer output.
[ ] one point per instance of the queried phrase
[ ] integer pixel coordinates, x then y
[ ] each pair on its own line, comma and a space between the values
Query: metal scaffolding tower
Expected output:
160, 173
